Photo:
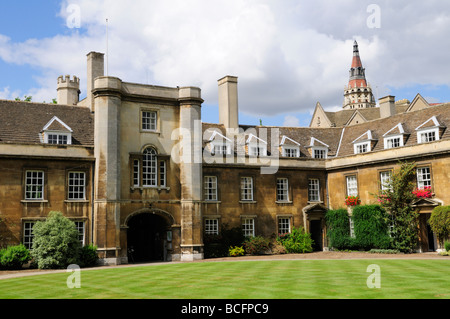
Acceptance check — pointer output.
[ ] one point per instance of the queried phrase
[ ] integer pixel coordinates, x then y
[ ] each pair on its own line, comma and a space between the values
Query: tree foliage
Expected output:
396, 198
55, 243
440, 222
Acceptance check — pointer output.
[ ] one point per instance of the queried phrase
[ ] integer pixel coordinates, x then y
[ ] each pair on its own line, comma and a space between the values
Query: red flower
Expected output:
423, 192
352, 200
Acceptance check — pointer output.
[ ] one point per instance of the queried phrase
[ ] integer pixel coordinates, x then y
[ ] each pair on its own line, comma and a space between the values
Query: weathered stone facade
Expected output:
145, 179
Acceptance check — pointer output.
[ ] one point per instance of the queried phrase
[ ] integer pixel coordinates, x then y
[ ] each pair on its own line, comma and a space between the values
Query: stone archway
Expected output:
147, 235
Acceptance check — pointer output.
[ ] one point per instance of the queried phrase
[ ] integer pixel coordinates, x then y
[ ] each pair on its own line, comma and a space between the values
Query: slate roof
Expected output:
342, 139
22, 122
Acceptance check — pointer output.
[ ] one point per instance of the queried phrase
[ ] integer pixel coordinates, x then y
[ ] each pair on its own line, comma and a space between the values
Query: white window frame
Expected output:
322, 152
149, 120
256, 149
80, 226
359, 147
136, 172
385, 177
34, 186
61, 138
314, 190
388, 141
352, 227
284, 225
246, 188
282, 189
210, 188
248, 226
290, 151
211, 226
220, 148
423, 136
76, 186
162, 173
423, 177
150, 168
28, 235
352, 185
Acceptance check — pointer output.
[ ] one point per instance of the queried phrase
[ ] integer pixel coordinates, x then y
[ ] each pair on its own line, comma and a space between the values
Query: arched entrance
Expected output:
314, 220
147, 237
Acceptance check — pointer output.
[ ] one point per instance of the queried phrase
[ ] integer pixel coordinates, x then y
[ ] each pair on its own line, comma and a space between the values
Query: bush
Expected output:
236, 251
88, 256
371, 229
297, 242
257, 245
14, 257
447, 246
55, 243
338, 229
440, 222
218, 245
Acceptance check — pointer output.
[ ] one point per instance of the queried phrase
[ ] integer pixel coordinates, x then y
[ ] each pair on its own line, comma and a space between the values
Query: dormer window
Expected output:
289, 147
57, 132
395, 137
256, 146
429, 131
364, 143
219, 144
318, 149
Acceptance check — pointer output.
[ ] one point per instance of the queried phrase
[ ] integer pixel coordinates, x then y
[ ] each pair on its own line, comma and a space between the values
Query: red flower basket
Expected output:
423, 192
352, 200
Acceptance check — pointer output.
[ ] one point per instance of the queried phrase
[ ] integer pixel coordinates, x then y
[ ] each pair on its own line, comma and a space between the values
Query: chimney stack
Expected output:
387, 106
68, 91
228, 102
95, 68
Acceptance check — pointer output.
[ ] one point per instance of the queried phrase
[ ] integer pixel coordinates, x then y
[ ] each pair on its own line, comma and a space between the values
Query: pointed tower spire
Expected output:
358, 94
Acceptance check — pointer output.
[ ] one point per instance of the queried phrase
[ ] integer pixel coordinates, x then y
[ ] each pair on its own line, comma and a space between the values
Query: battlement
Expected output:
67, 81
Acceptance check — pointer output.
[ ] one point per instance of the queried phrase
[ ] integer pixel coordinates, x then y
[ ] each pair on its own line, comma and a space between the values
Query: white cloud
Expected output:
291, 121
287, 54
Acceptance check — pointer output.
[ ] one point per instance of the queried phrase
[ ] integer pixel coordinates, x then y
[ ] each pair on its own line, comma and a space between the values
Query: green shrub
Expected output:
55, 243
296, 242
216, 246
338, 229
236, 251
257, 245
440, 222
384, 251
447, 246
14, 257
370, 227
88, 256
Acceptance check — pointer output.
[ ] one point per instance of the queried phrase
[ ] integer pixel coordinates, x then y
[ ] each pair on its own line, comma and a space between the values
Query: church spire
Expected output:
358, 94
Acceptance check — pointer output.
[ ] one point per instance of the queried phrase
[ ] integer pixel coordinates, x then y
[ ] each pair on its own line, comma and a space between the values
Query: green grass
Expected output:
288, 279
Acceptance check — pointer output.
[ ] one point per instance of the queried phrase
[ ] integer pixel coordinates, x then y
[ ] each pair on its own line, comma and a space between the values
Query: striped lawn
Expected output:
277, 279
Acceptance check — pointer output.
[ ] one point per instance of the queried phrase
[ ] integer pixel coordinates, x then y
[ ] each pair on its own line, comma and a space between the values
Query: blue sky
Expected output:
288, 55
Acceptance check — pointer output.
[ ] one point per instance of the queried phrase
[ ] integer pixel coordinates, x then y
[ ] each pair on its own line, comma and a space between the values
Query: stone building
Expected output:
144, 178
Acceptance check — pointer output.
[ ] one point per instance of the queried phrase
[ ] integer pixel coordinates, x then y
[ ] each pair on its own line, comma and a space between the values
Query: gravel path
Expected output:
311, 256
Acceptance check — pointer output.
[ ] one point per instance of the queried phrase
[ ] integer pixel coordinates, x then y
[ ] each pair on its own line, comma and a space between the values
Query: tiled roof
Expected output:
410, 121
22, 122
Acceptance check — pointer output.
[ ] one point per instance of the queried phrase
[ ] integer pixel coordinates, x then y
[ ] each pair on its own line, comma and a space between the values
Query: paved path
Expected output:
324, 255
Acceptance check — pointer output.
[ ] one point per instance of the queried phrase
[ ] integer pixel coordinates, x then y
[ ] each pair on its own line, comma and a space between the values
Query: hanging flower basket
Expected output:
352, 200
423, 192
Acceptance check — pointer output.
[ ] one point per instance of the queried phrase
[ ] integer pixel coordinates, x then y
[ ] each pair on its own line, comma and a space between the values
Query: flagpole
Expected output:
107, 50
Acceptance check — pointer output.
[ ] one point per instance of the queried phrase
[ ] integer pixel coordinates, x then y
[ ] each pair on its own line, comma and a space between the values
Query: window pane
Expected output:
149, 121
423, 177
313, 190
149, 173
210, 188
284, 226
34, 185
246, 188
352, 186
77, 182
282, 189
211, 226
248, 227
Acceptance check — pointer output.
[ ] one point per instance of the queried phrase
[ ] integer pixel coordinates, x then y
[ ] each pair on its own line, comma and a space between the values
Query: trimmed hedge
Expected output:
369, 225
371, 229
14, 257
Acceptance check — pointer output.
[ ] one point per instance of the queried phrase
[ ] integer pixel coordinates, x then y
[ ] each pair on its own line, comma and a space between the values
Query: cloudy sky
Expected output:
287, 54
